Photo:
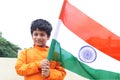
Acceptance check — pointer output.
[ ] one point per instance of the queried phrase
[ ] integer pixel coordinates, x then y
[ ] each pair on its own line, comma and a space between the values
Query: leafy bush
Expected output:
8, 49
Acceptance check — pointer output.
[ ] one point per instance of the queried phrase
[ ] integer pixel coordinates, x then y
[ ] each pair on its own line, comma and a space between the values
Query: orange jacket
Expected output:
28, 65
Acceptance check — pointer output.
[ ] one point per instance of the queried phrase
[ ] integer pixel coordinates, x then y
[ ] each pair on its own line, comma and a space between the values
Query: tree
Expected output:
8, 49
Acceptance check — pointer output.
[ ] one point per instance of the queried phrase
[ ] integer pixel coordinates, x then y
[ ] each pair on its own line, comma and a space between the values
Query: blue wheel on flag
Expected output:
87, 54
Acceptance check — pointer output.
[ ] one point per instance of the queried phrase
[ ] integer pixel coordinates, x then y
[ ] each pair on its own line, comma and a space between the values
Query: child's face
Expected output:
40, 38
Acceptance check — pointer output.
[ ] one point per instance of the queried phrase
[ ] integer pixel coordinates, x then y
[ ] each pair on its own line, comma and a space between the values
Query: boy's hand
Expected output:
45, 68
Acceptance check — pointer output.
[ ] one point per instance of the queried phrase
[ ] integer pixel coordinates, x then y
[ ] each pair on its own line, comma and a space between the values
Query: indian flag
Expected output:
85, 48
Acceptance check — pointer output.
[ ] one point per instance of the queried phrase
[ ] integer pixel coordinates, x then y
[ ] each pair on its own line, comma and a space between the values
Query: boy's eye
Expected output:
36, 34
42, 34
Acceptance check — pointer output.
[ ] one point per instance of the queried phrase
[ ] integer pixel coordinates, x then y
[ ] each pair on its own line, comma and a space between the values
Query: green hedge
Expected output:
8, 49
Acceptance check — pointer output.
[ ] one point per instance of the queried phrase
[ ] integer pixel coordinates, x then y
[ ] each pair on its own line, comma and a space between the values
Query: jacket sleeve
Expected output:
21, 66
56, 71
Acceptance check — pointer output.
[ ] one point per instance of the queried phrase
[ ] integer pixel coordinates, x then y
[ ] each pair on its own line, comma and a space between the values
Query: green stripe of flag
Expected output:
71, 63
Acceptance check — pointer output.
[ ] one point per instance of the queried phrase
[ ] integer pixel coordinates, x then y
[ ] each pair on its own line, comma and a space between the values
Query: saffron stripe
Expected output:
90, 31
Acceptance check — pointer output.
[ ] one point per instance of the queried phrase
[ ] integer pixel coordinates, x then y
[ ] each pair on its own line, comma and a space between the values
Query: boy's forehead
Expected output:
39, 31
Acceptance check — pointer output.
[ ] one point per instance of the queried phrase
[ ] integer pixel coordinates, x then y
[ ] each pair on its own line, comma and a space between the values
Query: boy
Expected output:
32, 63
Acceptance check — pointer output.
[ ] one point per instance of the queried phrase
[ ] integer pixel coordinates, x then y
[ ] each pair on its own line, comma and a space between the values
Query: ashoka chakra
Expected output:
87, 54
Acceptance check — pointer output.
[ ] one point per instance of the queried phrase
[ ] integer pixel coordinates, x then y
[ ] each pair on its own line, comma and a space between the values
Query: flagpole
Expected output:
55, 34
59, 22
57, 29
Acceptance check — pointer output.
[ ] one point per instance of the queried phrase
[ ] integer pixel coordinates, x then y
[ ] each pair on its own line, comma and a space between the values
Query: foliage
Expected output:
8, 49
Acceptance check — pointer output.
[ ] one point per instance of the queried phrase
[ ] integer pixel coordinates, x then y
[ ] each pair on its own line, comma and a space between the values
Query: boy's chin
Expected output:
40, 45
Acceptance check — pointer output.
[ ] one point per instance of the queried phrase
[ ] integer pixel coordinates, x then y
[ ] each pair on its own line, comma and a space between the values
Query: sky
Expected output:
17, 15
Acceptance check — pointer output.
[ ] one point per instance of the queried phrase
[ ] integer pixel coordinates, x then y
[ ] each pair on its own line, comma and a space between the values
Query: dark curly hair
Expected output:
42, 25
